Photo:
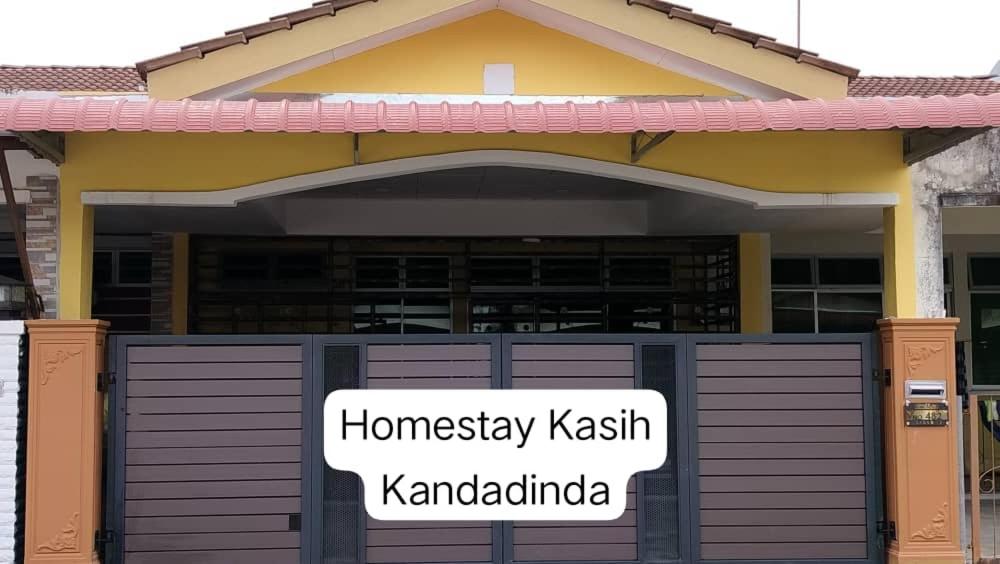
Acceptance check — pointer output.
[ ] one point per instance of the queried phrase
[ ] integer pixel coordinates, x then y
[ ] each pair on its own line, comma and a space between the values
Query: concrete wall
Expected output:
960, 175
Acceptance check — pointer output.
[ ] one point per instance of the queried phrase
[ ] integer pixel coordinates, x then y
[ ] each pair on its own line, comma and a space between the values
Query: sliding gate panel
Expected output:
652, 528
209, 449
786, 448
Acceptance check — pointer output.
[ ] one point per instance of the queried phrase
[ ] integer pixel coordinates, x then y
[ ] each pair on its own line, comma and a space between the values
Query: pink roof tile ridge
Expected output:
850, 114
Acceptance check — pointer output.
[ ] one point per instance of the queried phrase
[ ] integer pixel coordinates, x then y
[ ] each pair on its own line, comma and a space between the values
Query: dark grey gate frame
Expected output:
312, 409
871, 397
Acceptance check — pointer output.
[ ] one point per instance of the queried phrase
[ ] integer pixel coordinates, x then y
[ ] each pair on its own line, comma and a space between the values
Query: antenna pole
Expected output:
798, 23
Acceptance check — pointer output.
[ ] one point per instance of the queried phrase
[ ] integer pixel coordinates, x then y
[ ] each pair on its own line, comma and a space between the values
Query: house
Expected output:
459, 193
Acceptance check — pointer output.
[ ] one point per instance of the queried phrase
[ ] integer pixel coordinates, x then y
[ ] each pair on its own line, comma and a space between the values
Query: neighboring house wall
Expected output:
24, 165
969, 169
41, 222
10, 336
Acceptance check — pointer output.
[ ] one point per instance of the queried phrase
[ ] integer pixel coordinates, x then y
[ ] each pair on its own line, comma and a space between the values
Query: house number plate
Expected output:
926, 414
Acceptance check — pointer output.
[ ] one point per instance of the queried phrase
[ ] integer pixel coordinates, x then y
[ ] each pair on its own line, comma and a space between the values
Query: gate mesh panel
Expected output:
660, 504
341, 490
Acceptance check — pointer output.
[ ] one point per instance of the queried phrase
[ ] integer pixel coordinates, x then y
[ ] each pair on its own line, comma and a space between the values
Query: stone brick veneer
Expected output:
41, 228
160, 306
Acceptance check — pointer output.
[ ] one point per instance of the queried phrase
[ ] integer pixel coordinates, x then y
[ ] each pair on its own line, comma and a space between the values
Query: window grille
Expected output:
343, 285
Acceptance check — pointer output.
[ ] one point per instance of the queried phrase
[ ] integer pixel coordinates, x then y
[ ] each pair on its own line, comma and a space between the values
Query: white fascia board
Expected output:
759, 199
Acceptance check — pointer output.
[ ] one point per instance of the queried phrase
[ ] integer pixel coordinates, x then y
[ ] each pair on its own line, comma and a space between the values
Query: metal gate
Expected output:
215, 448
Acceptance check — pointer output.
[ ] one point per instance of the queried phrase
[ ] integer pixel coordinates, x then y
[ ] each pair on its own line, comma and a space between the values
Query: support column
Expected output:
76, 254
929, 242
755, 282
899, 263
65, 412
160, 308
921, 463
180, 283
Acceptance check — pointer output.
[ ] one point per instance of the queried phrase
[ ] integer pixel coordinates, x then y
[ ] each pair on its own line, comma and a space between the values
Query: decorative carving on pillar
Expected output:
916, 355
936, 528
68, 539
54, 361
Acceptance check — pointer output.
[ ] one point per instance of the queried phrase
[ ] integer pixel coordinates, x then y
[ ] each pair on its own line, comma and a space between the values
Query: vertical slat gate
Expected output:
782, 449
579, 366
441, 367
213, 451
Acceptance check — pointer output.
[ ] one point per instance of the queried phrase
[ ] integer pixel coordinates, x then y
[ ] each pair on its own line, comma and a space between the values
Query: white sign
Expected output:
492, 455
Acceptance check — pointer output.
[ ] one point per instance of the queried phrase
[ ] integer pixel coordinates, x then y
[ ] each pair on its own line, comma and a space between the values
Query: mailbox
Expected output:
926, 403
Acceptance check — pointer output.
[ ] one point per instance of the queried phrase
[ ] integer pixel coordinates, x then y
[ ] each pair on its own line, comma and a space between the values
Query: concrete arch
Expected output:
759, 199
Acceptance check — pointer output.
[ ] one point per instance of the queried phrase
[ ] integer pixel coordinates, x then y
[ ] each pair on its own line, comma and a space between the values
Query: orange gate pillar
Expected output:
65, 417
921, 462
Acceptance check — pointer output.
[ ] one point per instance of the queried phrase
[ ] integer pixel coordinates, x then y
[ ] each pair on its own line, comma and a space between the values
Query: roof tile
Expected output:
70, 78
923, 86
299, 16
217, 43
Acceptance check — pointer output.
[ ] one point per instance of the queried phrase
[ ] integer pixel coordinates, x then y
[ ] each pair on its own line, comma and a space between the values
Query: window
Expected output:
826, 294
850, 272
949, 288
10, 266
792, 272
248, 270
640, 272
569, 271
123, 289
340, 285
397, 295
984, 273
502, 272
402, 273
573, 294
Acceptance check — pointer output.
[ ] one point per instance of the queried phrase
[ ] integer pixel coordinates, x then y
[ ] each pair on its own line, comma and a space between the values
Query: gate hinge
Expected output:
105, 380
887, 529
103, 538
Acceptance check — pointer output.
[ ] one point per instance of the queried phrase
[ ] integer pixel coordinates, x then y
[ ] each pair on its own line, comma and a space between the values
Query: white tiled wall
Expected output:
10, 334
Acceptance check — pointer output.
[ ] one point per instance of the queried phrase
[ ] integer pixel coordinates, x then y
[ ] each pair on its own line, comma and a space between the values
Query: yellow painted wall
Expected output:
779, 162
450, 60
